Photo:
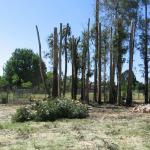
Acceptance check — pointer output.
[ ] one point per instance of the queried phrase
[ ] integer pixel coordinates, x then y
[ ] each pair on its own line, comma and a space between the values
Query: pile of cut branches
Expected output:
142, 108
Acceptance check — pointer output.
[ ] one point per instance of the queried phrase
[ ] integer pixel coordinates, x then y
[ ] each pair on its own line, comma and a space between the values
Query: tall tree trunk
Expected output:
66, 62
105, 61
40, 64
55, 66
88, 64
60, 61
74, 44
99, 65
77, 40
73, 67
130, 75
114, 68
119, 64
111, 86
146, 55
95, 79
83, 68
96, 48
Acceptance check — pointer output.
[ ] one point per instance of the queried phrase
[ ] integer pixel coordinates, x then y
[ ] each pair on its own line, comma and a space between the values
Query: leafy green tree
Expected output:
118, 16
3, 82
26, 85
23, 66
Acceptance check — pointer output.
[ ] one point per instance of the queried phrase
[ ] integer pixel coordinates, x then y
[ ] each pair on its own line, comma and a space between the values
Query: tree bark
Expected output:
88, 64
74, 44
130, 75
55, 66
146, 55
99, 65
66, 61
119, 64
96, 48
40, 63
105, 74
60, 61
83, 68
111, 86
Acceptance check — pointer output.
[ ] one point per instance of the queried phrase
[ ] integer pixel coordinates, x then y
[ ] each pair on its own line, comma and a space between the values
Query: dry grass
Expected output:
109, 128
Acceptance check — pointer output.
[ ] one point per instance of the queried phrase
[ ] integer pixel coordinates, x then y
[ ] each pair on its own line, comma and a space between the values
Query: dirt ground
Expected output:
107, 128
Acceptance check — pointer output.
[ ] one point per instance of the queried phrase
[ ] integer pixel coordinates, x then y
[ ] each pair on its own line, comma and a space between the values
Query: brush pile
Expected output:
142, 108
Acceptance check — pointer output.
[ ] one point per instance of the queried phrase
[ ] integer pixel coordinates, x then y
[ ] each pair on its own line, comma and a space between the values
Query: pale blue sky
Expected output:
19, 17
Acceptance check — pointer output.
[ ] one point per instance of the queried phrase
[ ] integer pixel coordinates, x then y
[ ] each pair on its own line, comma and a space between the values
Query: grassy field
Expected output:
107, 128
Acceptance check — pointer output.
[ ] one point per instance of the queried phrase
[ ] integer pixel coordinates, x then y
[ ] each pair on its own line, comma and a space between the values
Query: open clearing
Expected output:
112, 128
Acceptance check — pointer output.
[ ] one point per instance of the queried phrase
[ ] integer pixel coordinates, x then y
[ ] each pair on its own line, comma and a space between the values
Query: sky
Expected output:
19, 17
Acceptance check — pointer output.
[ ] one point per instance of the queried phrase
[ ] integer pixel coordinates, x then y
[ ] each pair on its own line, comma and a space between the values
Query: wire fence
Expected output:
22, 96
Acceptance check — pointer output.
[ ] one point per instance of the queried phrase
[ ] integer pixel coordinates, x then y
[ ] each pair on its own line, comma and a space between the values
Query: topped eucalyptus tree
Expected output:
74, 56
60, 62
97, 9
40, 63
88, 63
131, 51
104, 57
83, 66
144, 26
66, 34
55, 65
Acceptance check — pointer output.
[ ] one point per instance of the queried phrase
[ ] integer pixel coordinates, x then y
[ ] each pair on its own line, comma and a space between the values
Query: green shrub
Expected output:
65, 108
23, 114
4, 100
45, 111
79, 111
51, 110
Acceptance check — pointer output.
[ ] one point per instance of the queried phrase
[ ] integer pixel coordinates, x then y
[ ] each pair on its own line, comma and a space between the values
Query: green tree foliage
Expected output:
22, 67
26, 85
3, 82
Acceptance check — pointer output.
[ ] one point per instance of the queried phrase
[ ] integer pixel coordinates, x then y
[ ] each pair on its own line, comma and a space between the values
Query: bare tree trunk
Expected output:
119, 64
55, 66
74, 45
130, 75
72, 79
96, 48
77, 40
40, 64
111, 86
146, 55
99, 66
83, 68
66, 62
88, 64
114, 67
95, 79
105, 61
60, 61
73, 67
